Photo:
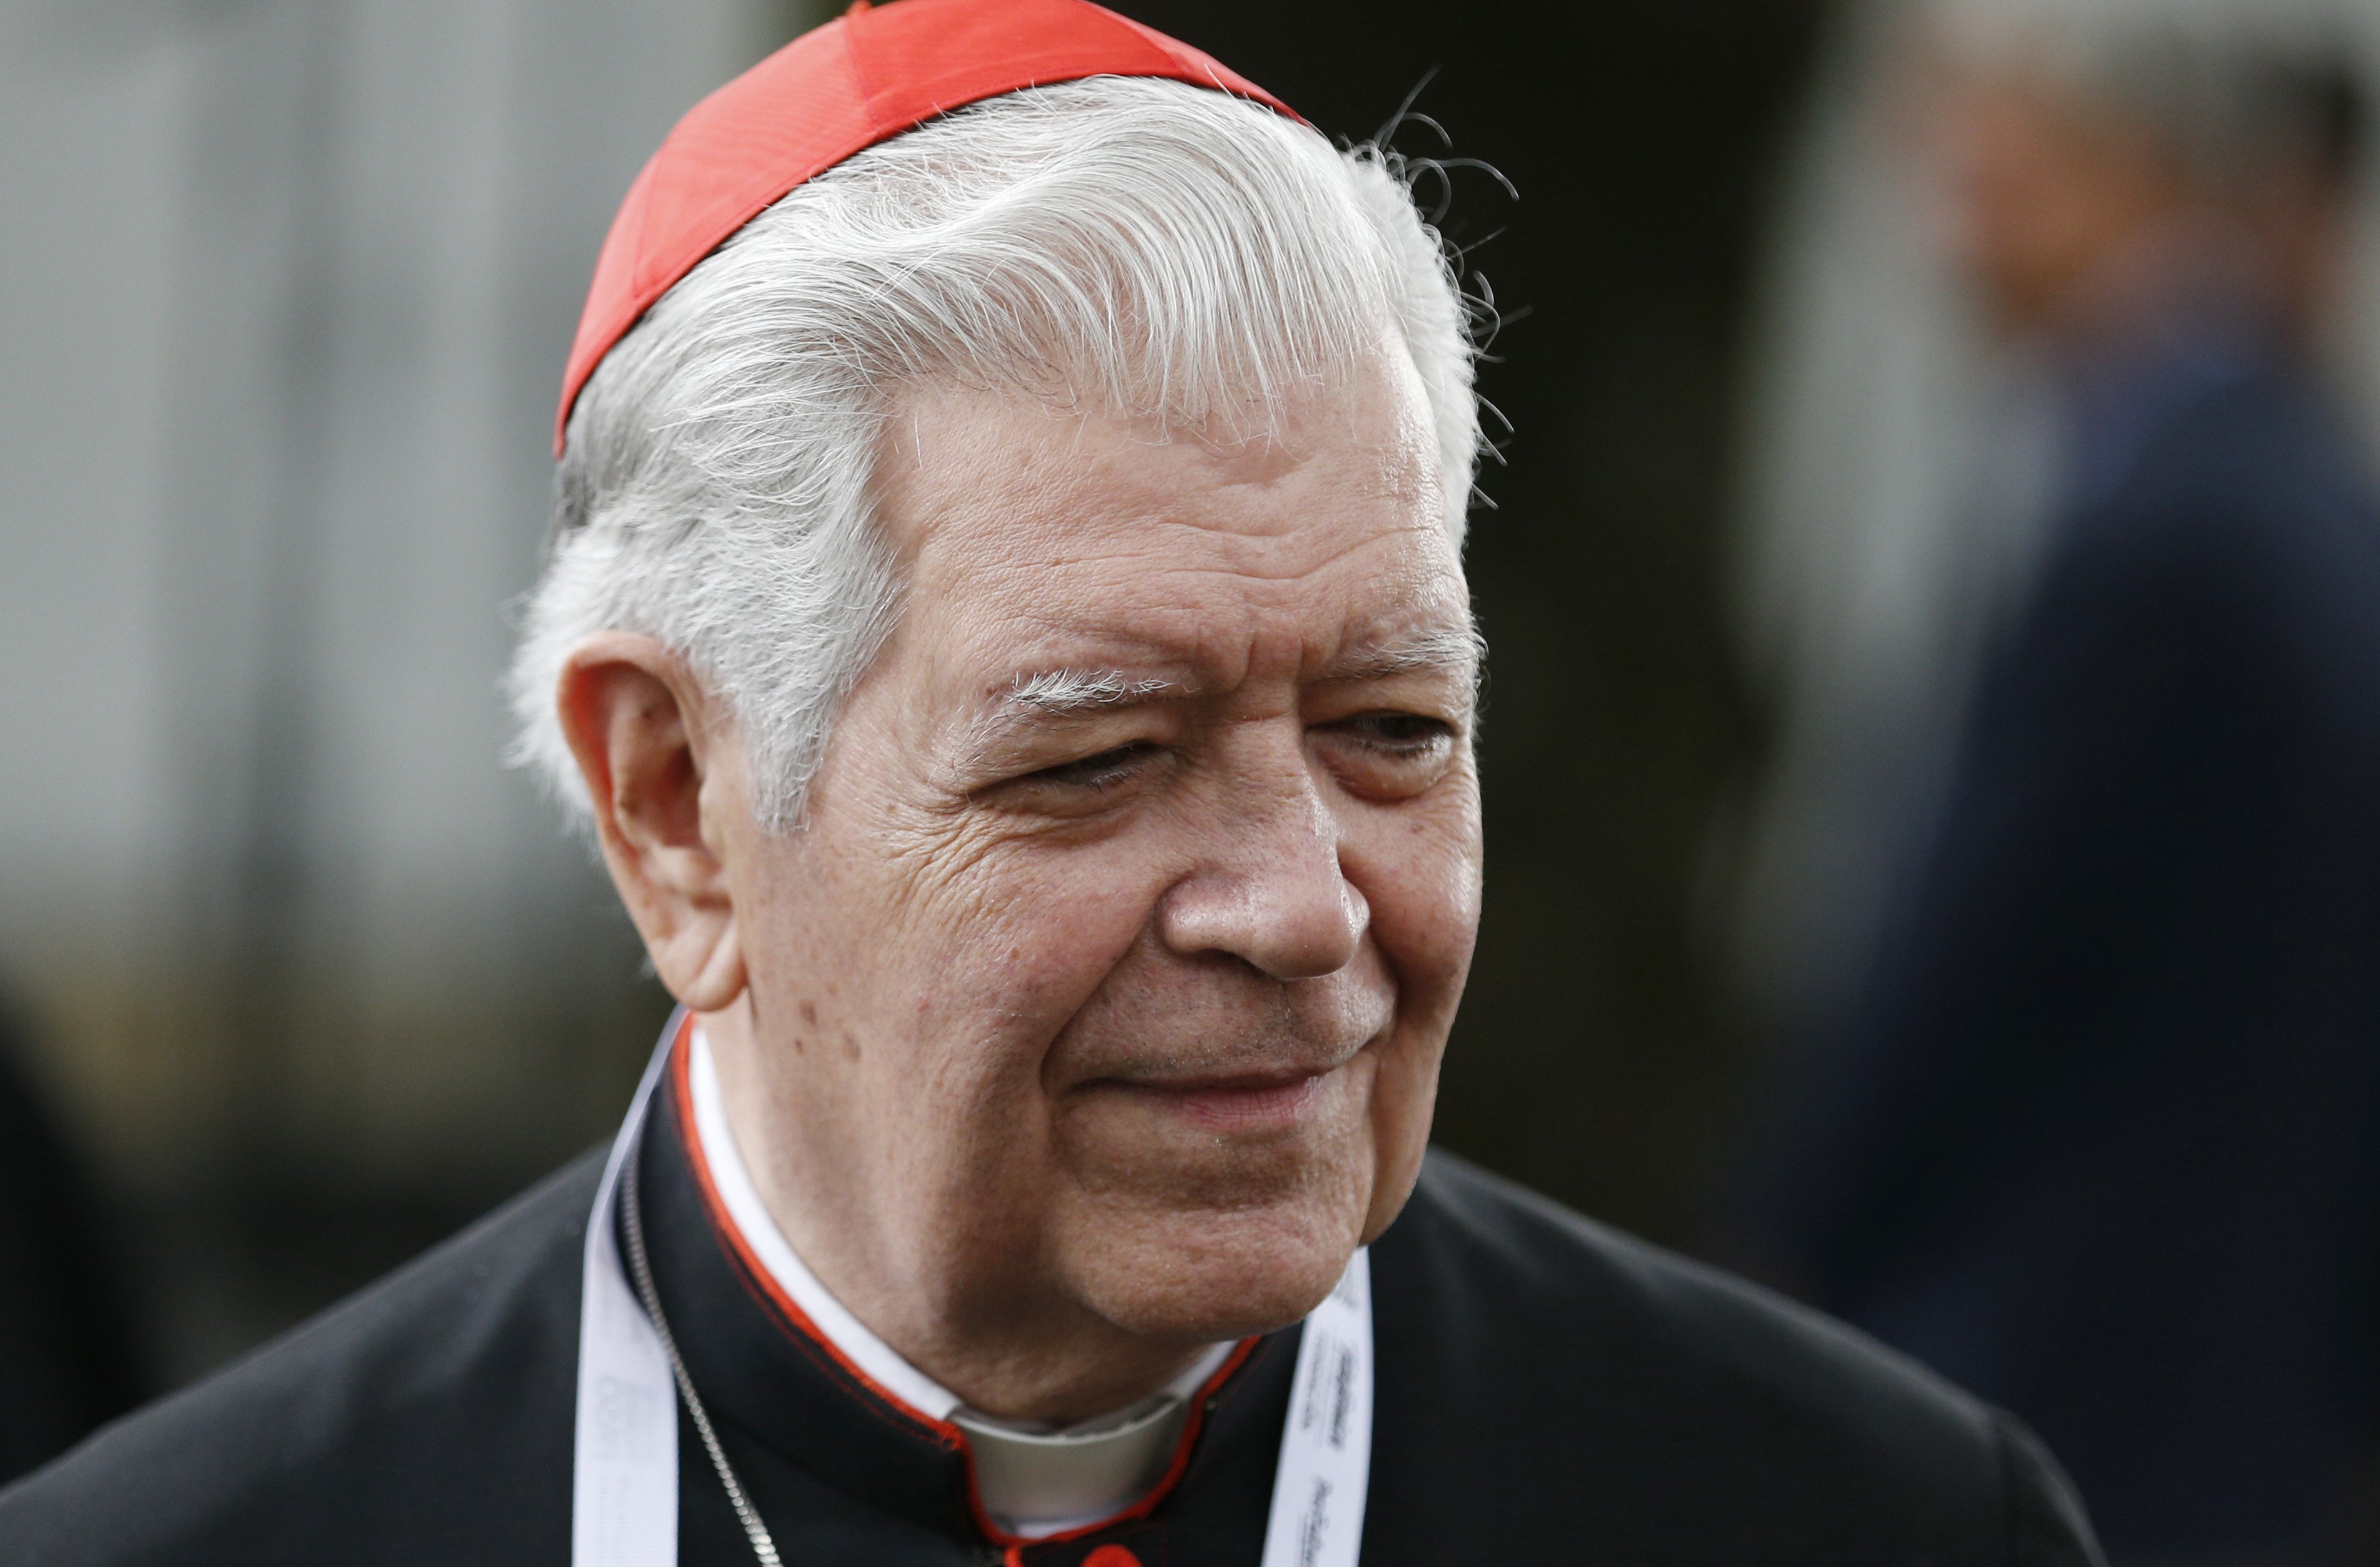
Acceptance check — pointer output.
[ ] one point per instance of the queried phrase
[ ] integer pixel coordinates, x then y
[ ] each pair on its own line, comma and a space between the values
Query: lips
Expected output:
1228, 1106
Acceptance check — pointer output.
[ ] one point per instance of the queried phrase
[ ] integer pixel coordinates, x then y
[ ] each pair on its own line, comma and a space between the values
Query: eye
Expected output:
1104, 771
1389, 755
1397, 733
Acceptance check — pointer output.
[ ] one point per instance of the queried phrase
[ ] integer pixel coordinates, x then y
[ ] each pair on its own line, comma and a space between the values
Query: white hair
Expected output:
1141, 247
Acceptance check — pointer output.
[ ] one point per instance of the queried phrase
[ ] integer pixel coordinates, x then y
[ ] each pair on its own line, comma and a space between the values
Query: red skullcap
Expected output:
869, 74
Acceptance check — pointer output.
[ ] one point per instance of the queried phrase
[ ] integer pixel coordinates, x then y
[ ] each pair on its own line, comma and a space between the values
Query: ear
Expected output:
661, 770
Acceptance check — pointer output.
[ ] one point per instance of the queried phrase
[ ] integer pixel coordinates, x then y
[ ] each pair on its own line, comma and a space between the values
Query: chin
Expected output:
1199, 1275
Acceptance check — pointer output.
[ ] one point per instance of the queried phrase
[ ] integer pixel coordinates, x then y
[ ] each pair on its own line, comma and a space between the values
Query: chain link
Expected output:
632, 1215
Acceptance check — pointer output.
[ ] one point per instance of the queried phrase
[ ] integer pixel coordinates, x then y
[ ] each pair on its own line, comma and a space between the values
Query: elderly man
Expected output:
1007, 635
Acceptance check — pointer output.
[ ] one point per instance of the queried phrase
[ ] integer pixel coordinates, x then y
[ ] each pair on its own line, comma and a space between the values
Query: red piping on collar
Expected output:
944, 1433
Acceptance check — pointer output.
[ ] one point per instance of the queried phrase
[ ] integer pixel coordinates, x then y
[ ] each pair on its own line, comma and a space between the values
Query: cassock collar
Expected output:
840, 1405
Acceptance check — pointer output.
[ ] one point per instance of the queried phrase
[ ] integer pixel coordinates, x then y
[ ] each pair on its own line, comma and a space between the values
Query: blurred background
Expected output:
1933, 750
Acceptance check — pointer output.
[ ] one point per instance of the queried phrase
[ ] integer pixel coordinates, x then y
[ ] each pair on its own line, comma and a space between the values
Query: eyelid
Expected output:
1433, 694
1438, 728
1010, 745
1117, 760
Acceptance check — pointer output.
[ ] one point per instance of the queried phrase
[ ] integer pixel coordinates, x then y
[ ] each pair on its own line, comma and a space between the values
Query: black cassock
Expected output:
1547, 1392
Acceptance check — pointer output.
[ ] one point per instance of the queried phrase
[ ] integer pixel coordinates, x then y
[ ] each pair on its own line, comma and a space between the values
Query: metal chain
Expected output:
632, 1212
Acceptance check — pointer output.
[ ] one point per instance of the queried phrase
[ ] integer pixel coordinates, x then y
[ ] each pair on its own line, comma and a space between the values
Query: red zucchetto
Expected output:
873, 73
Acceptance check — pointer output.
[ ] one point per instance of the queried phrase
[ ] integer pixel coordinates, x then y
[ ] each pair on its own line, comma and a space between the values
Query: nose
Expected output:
1270, 890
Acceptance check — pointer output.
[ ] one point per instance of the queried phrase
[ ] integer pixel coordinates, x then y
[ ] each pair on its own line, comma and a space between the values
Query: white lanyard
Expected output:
623, 1484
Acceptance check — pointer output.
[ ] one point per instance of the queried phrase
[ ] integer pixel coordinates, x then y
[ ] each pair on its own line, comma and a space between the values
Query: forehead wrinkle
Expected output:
1223, 556
1150, 544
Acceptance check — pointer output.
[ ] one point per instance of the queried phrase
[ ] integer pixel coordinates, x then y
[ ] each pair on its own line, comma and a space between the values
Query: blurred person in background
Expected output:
2099, 1135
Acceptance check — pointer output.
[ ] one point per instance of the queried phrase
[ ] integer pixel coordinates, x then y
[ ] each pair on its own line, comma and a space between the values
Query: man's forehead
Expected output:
1057, 565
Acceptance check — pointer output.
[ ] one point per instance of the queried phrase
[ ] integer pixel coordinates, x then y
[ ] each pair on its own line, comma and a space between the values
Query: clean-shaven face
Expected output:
1110, 972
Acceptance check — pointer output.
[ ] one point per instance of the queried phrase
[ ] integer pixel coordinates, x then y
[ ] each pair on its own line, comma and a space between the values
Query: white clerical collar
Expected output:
1037, 1479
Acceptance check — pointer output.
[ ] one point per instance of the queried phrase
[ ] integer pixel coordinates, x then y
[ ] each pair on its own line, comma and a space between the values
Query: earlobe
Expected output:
719, 976
638, 723
697, 955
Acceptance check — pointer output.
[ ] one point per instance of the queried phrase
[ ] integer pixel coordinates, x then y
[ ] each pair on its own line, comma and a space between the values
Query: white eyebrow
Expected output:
1065, 692
1062, 691
1442, 648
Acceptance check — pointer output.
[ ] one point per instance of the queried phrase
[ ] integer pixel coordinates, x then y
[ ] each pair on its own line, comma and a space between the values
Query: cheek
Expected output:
1421, 872
1419, 869
1025, 937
